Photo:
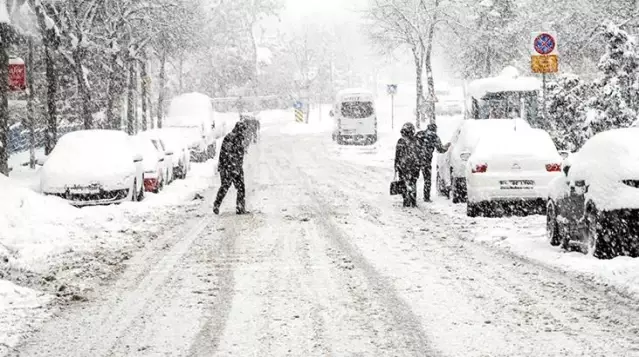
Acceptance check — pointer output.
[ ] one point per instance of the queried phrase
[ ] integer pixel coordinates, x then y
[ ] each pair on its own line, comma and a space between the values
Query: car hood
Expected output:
61, 176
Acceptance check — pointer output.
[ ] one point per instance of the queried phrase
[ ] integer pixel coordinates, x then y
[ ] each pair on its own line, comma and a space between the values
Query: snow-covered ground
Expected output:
327, 264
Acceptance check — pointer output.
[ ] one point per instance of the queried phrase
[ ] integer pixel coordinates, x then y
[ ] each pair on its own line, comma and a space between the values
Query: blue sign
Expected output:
298, 105
545, 44
392, 89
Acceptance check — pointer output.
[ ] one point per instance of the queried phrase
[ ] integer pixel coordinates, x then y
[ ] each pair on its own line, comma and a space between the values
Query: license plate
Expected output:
517, 185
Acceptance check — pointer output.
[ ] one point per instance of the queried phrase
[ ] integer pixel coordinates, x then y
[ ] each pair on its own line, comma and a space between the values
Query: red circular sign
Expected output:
544, 44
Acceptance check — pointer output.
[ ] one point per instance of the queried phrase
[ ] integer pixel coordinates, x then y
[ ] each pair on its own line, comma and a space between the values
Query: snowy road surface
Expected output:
329, 265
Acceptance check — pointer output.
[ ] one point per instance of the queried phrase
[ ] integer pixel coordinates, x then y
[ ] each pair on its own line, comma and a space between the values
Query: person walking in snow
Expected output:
231, 169
427, 142
407, 164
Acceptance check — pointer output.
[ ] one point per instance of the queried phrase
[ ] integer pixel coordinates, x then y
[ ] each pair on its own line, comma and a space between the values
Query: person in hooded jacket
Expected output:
407, 164
427, 142
230, 167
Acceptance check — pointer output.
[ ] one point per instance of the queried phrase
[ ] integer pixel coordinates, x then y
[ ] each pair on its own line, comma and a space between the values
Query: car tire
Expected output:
134, 193
598, 237
474, 209
456, 192
552, 227
140, 196
442, 190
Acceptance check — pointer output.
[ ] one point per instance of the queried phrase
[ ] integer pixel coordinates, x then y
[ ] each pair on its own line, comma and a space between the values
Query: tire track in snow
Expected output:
393, 313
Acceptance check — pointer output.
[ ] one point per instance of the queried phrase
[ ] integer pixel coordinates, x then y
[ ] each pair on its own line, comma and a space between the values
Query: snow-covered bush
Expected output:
615, 103
566, 111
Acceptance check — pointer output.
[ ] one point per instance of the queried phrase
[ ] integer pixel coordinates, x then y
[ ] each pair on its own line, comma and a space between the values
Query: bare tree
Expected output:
409, 23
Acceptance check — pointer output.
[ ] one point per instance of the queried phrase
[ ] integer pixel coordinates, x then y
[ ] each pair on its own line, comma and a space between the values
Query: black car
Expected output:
595, 205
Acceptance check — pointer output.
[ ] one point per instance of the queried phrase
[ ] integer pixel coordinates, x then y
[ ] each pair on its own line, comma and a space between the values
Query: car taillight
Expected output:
553, 167
481, 168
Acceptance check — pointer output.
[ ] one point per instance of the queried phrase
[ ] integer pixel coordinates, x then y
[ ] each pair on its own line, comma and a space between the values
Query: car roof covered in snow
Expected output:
529, 142
508, 81
473, 129
361, 92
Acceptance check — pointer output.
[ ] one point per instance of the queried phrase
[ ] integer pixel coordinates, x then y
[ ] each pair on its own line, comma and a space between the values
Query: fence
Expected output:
19, 136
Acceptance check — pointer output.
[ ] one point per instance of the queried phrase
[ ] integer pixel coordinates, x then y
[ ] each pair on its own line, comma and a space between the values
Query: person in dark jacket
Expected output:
230, 168
427, 142
407, 164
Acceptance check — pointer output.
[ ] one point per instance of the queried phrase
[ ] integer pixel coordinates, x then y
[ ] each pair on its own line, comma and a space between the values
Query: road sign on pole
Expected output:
299, 111
544, 58
544, 54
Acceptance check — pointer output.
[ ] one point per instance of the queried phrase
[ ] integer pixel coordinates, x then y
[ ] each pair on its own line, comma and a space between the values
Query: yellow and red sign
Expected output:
544, 55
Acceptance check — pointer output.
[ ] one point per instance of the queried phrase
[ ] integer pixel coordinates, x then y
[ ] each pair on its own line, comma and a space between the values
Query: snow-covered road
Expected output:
329, 265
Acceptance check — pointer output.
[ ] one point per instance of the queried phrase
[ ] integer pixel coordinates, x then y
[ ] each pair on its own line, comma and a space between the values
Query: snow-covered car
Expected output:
158, 142
595, 204
451, 166
94, 167
153, 164
513, 168
174, 141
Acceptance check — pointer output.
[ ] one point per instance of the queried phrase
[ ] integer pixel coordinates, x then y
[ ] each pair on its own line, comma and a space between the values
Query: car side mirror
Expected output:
137, 158
564, 154
161, 159
566, 169
168, 153
41, 161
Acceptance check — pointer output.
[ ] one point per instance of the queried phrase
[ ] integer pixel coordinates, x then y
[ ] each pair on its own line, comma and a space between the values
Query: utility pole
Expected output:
5, 32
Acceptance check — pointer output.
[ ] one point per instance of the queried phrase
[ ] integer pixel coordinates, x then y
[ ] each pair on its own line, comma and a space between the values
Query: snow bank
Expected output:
46, 243
526, 238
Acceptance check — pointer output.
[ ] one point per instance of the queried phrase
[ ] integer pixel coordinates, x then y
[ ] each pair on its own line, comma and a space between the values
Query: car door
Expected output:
571, 205
445, 168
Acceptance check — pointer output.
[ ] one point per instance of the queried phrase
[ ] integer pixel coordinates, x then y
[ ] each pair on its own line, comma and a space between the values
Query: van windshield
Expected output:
357, 110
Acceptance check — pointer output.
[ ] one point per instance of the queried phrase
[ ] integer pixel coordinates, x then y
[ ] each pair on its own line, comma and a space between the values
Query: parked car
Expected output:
191, 117
451, 166
158, 142
175, 143
153, 164
513, 168
94, 167
594, 206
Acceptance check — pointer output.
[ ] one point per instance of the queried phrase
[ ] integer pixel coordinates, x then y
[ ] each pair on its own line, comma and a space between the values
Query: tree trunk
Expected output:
429, 67
51, 136
161, 89
4, 99
131, 122
419, 87
143, 74
31, 106
181, 75
114, 90
83, 90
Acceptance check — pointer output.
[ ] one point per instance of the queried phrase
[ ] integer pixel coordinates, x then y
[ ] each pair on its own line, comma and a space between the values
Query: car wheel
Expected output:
134, 190
597, 236
442, 190
473, 209
552, 227
140, 195
457, 192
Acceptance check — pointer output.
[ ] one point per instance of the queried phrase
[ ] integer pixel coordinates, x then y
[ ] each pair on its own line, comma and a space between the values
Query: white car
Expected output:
153, 164
164, 151
94, 167
175, 143
513, 168
451, 166
594, 205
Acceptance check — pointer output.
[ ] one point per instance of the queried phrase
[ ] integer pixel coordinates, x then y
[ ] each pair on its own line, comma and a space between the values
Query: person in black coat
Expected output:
427, 142
231, 168
407, 164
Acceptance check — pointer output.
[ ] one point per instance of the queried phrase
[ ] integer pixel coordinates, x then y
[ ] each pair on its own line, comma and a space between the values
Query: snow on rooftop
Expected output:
508, 81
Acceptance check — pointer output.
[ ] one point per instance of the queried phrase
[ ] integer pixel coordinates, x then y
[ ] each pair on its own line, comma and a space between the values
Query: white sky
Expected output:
302, 9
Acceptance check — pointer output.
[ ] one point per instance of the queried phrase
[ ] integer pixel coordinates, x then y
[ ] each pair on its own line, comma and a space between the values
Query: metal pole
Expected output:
543, 109
393, 111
